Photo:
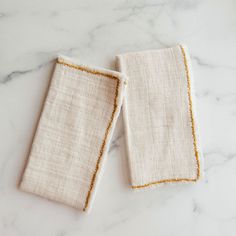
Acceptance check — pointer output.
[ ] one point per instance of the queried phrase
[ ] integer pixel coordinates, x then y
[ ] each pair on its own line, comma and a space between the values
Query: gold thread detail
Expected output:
193, 132
164, 181
77, 67
103, 145
191, 112
83, 68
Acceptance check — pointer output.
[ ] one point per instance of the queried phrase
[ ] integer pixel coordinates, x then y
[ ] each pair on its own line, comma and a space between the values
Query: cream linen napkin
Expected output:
73, 133
159, 117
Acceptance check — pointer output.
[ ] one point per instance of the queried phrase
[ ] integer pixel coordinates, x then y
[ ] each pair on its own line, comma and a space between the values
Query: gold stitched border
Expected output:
77, 67
165, 181
191, 111
83, 68
103, 144
193, 133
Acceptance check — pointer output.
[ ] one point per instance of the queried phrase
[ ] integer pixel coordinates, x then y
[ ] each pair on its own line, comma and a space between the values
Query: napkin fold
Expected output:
73, 134
159, 117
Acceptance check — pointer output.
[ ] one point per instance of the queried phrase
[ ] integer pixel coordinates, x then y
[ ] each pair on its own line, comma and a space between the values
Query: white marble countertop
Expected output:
33, 33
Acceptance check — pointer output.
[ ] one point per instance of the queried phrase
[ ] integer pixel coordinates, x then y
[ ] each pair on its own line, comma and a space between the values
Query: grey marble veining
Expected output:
33, 33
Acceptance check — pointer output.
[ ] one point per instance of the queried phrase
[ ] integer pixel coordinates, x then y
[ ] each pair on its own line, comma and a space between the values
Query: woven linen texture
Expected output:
73, 134
159, 117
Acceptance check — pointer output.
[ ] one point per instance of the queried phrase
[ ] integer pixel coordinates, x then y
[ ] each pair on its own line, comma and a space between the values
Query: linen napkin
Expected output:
159, 116
73, 134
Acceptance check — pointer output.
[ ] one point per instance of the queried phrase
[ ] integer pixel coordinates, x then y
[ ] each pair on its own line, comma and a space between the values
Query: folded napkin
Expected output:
73, 133
159, 117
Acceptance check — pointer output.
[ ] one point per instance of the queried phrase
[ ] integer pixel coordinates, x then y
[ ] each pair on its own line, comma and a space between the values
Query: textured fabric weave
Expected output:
73, 134
161, 133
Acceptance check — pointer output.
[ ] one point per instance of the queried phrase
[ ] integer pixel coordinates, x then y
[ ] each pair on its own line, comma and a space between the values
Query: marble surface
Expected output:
32, 33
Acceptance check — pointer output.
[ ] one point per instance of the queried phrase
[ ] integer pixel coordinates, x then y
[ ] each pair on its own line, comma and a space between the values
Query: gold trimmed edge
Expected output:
103, 145
164, 181
191, 111
193, 132
85, 69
